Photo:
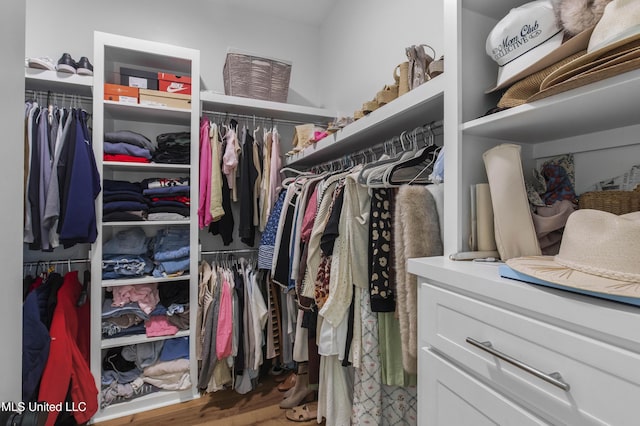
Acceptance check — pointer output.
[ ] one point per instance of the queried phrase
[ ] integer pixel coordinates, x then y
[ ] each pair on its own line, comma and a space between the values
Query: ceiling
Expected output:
312, 12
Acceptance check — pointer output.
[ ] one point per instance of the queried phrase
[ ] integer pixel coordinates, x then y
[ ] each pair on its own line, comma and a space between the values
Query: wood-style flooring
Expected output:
224, 408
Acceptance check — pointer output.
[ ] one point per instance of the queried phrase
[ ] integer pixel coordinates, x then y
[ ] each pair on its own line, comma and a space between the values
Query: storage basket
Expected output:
251, 76
617, 202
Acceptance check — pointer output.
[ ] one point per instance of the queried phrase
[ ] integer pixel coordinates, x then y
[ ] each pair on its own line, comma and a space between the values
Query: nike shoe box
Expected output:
118, 93
164, 99
138, 78
172, 83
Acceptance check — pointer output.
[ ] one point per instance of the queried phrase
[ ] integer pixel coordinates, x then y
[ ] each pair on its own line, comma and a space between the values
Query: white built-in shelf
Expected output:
143, 280
145, 167
276, 110
418, 107
146, 113
147, 223
603, 105
138, 338
58, 82
146, 402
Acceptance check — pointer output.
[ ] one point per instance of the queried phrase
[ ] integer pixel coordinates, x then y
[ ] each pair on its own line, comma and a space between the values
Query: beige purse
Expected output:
419, 62
513, 224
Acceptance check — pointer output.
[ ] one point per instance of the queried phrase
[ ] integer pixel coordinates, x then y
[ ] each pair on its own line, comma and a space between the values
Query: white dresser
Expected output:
578, 357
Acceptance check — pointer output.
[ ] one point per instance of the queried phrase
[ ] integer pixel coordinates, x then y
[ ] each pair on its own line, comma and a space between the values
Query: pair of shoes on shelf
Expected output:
41, 63
68, 65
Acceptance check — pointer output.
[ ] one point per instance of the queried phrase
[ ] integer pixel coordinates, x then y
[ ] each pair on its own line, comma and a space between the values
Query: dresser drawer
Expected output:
603, 380
455, 398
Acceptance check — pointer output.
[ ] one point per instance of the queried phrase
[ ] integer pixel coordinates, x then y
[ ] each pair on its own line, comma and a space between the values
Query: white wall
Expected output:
12, 16
55, 27
364, 40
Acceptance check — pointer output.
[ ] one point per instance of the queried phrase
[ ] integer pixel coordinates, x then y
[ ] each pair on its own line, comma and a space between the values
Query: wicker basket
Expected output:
617, 202
254, 77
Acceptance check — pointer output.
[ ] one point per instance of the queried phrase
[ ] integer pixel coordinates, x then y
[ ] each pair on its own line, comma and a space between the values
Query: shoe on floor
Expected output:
84, 67
67, 64
42, 63
303, 413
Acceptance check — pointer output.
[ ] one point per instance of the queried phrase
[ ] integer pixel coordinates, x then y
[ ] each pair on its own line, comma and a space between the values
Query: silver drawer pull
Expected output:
553, 378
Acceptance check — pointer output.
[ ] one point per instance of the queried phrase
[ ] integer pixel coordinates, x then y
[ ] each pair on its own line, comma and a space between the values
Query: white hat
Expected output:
528, 40
599, 253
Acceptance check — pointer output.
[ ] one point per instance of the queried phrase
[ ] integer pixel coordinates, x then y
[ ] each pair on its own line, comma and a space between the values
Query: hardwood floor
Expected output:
224, 408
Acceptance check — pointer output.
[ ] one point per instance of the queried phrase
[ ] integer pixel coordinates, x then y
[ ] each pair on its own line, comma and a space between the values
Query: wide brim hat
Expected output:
570, 47
599, 253
612, 50
520, 92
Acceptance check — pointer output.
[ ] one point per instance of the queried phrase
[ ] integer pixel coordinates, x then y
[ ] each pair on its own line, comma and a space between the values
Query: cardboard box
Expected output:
172, 83
118, 93
159, 98
138, 78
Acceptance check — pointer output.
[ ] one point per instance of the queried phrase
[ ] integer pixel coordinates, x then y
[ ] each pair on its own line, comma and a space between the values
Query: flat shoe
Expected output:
303, 413
288, 383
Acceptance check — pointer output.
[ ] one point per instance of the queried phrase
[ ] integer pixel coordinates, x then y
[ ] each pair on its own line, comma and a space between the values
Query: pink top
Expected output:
204, 211
230, 157
159, 326
145, 294
224, 334
309, 216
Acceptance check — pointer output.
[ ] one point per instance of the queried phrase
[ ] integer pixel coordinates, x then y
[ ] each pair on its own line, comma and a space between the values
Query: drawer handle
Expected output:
553, 378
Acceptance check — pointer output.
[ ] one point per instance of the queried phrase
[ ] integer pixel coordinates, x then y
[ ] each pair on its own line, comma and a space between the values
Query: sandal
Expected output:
387, 94
303, 413
436, 67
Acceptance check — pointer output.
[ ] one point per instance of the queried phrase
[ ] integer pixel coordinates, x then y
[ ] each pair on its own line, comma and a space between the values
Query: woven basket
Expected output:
617, 202
254, 77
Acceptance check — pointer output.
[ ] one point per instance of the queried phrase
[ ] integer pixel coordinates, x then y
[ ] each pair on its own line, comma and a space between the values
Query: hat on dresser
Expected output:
614, 48
528, 40
599, 253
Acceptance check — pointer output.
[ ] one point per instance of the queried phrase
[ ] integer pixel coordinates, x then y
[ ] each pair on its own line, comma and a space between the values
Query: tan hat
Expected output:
613, 49
529, 39
520, 92
599, 253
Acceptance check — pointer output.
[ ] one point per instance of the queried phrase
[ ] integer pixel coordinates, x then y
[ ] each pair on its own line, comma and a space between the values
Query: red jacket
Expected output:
67, 368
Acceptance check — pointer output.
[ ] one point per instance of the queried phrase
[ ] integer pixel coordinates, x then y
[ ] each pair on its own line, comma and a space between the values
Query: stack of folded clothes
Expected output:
171, 371
175, 296
173, 148
170, 248
126, 255
122, 371
122, 320
127, 146
168, 198
123, 201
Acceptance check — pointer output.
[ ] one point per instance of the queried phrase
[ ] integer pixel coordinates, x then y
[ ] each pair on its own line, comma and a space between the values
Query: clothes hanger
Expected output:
427, 155
375, 177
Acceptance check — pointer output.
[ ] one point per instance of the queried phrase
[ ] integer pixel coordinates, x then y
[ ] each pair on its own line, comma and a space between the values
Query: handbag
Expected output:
419, 62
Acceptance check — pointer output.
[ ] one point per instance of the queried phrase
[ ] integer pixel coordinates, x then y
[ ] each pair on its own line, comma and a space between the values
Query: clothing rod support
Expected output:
231, 251
269, 119
392, 143
55, 262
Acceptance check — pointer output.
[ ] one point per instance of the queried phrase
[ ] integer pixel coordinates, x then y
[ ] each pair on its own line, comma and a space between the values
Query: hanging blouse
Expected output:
204, 203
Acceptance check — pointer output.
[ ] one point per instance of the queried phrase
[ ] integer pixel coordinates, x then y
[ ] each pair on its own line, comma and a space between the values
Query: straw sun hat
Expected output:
599, 253
614, 48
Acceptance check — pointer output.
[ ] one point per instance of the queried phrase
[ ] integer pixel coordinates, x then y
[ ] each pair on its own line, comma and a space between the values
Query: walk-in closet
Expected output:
320, 212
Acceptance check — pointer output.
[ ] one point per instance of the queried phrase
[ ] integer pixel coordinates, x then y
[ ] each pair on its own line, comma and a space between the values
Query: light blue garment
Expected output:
170, 244
120, 266
437, 176
109, 311
127, 241
169, 267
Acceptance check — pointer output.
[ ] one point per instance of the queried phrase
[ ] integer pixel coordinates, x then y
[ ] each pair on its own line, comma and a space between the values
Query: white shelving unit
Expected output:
415, 108
275, 110
45, 80
598, 124
110, 53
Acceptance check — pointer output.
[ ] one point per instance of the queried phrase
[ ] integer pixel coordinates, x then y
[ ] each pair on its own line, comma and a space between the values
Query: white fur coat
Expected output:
578, 15
416, 233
